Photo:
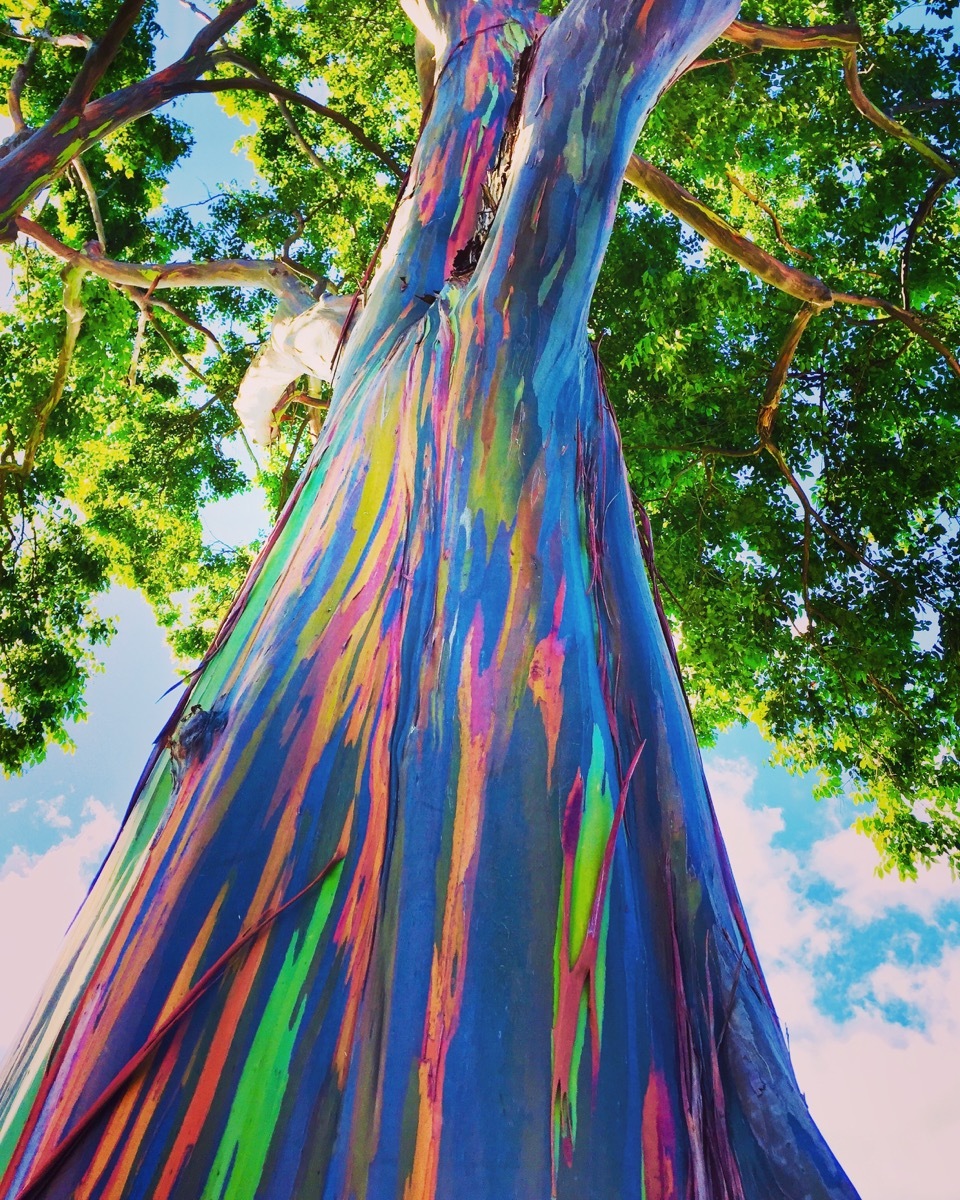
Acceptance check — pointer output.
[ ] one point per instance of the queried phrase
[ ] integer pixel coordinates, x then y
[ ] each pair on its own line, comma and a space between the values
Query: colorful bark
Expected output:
436, 904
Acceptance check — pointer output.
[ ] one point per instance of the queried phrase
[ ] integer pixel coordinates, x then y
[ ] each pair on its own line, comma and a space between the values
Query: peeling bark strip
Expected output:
456, 821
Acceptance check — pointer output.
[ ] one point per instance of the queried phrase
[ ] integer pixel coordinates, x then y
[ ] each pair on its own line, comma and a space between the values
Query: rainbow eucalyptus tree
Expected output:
421, 893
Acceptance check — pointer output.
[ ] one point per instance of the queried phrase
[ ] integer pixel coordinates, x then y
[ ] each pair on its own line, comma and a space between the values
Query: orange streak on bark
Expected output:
205, 1088
188, 972
658, 1135
358, 920
133, 1137
448, 971
546, 673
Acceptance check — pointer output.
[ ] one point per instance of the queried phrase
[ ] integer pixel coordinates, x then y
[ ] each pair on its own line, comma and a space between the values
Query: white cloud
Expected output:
884, 1096
848, 861
783, 924
39, 895
52, 814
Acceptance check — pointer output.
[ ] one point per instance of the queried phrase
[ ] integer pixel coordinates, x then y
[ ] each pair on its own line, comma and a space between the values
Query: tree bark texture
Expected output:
423, 896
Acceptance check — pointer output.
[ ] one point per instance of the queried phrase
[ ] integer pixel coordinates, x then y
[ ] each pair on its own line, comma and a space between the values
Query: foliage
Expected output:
837, 628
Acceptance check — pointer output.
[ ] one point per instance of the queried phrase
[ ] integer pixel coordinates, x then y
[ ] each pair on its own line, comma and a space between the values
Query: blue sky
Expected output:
865, 971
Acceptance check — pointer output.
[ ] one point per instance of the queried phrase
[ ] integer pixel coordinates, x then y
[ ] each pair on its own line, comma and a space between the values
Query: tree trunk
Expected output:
424, 896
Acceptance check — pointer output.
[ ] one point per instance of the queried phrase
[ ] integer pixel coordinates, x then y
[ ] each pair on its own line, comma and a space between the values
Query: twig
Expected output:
286, 478
911, 319
166, 306
926, 105
17, 84
926, 208
137, 347
777, 227
239, 60
172, 346
263, 84
827, 528
73, 306
91, 193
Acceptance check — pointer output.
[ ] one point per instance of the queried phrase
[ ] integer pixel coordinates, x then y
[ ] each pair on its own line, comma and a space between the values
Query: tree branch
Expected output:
660, 187
181, 316
20, 77
137, 347
777, 227
100, 55
228, 272
851, 77
757, 36
653, 183
302, 345
45, 154
246, 64
196, 10
81, 41
169, 342
91, 193
73, 306
778, 376
911, 319
811, 512
926, 208
260, 82
926, 105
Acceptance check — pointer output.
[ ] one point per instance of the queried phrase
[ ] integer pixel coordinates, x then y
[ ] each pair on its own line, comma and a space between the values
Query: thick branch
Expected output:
864, 105
261, 82
756, 36
40, 158
228, 272
99, 57
660, 187
443, 24
301, 345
